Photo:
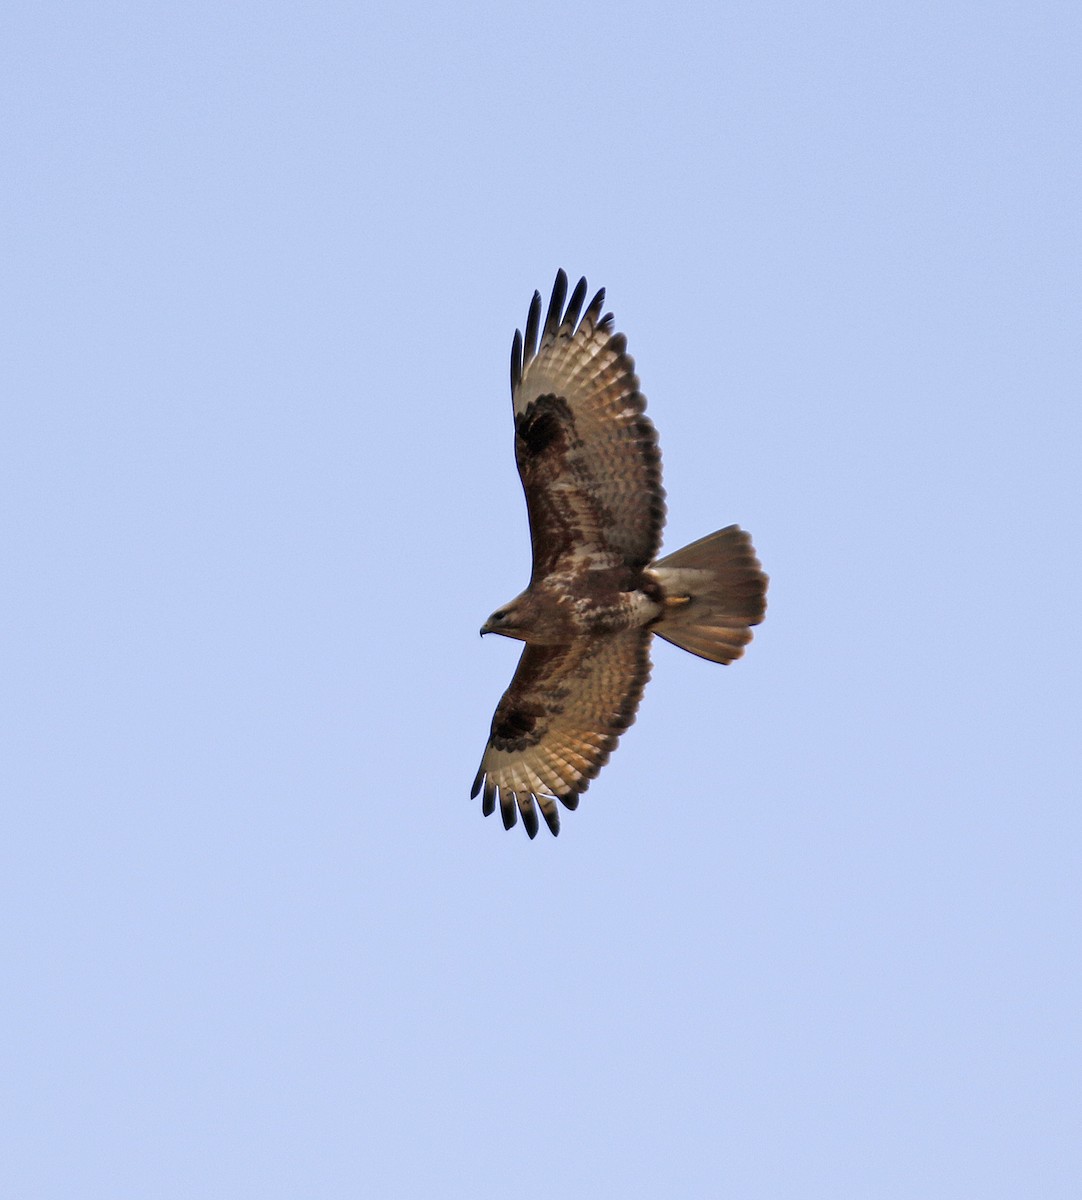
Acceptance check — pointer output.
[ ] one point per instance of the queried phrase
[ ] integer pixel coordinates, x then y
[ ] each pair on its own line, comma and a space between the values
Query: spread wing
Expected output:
587, 453
558, 723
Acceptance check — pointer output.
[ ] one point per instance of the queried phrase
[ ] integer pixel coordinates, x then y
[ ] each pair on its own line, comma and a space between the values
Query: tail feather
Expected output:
715, 590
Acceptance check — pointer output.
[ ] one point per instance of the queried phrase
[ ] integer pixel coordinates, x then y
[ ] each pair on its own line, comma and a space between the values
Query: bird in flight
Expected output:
590, 466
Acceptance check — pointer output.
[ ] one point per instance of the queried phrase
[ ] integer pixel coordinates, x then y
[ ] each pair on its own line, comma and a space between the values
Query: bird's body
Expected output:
590, 602
591, 470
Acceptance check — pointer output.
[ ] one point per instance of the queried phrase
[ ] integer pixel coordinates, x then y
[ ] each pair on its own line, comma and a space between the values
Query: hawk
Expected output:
590, 466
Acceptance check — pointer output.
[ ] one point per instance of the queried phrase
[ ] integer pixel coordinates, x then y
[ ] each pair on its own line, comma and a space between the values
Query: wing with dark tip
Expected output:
587, 453
558, 723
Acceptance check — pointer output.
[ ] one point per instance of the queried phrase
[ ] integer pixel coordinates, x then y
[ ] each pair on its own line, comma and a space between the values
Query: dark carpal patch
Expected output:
545, 426
514, 724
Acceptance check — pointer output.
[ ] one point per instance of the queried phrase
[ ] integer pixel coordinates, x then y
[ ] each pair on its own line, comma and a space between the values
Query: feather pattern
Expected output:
587, 453
558, 723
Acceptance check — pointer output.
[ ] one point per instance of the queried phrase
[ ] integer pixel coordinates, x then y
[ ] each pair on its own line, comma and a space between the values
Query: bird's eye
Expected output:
499, 616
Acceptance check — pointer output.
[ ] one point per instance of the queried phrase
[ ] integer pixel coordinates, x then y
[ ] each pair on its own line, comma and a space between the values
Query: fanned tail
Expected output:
715, 591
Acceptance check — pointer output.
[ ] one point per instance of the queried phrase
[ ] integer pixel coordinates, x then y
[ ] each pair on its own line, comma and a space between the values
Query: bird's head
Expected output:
508, 620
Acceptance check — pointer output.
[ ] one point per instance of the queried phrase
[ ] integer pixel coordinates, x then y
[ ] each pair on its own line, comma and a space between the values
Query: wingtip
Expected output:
516, 360
533, 324
574, 307
551, 814
556, 304
514, 804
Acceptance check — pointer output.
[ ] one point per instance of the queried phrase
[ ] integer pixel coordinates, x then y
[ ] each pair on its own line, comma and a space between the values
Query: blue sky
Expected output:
815, 931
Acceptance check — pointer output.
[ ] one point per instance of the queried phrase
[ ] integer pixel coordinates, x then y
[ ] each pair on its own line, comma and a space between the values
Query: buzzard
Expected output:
590, 466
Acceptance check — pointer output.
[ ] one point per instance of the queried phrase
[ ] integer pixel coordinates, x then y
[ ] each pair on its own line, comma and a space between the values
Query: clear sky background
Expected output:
815, 930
